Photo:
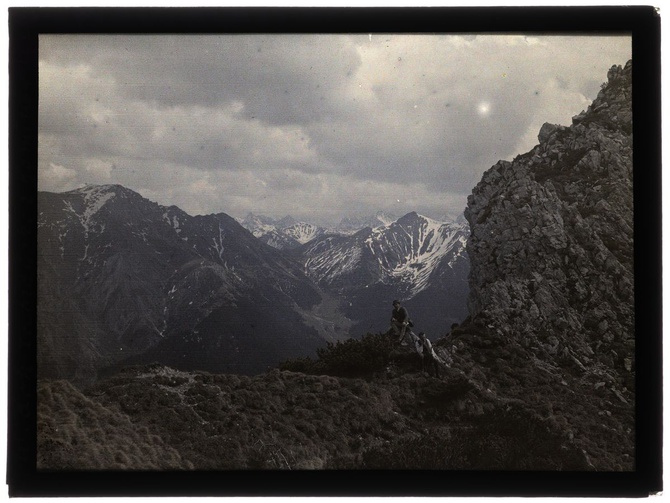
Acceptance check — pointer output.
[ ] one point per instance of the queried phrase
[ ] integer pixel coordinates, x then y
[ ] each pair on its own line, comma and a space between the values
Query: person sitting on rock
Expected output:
428, 356
452, 328
399, 321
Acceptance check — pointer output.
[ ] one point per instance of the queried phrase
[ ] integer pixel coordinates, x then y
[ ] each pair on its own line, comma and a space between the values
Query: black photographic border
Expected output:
26, 24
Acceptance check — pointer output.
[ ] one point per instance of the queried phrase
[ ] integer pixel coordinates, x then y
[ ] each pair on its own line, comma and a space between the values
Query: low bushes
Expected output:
77, 433
351, 358
499, 441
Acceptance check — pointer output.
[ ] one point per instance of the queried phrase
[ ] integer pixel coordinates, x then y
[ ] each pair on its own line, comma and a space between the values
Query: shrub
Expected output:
407, 453
350, 358
303, 365
516, 440
498, 441
75, 432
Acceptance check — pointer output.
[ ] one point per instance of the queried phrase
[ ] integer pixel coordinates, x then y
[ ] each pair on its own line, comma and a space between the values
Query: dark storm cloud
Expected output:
313, 125
281, 79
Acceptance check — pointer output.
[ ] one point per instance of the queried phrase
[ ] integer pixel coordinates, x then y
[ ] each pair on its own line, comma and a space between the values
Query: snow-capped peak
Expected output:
406, 251
351, 225
286, 232
95, 197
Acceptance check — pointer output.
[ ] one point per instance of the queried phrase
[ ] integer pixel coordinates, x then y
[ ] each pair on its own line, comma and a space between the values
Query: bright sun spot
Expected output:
484, 108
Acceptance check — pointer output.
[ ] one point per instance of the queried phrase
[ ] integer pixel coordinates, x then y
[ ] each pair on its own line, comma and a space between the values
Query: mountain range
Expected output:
282, 234
418, 260
125, 280
287, 232
369, 260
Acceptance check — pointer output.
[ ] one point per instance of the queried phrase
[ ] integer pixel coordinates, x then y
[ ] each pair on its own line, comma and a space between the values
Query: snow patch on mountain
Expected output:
403, 252
422, 245
281, 234
218, 244
352, 225
303, 232
334, 259
173, 221
94, 199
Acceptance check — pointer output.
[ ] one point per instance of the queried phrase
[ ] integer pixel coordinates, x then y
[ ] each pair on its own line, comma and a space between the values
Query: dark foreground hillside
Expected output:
391, 416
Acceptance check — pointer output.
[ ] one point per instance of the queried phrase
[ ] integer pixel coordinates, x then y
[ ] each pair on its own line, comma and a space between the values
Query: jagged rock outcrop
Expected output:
551, 246
552, 314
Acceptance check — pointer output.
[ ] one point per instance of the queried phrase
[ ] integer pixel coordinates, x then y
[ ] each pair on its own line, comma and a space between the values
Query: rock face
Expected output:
551, 246
551, 300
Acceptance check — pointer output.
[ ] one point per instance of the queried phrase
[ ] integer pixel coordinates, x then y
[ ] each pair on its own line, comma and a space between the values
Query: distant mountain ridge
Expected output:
123, 279
368, 261
288, 233
282, 234
416, 259
404, 251
351, 225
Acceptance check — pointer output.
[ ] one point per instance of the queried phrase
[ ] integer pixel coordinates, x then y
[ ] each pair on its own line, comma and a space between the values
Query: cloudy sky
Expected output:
315, 126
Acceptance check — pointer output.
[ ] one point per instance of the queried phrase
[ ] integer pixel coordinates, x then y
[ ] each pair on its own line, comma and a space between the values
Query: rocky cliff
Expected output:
551, 251
551, 247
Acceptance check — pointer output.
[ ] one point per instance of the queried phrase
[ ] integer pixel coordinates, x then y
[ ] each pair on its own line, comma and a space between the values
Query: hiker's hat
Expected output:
396, 302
